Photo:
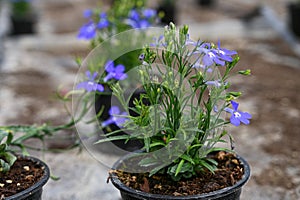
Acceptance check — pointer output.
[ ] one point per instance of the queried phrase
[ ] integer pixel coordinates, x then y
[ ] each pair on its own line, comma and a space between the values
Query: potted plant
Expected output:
294, 16
23, 17
23, 176
185, 86
123, 15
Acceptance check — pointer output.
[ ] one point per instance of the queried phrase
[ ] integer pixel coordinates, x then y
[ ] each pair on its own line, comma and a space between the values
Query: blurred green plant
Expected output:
13, 141
21, 8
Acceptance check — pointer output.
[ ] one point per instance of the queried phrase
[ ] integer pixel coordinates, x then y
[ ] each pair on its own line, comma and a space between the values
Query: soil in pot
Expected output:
229, 172
22, 175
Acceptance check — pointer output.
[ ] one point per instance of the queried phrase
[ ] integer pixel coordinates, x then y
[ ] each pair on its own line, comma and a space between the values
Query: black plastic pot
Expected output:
205, 2
35, 191
20, 25
294, 18
169, 10
229, 193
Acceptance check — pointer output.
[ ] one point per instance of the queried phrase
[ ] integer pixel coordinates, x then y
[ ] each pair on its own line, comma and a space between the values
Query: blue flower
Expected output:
149, 13
225, 54
217, 55
103, 22
238, 116
90, 85
114, 72
88, 13
87, 31
137, 20
158, 42
214, 83
115, 117
212, 57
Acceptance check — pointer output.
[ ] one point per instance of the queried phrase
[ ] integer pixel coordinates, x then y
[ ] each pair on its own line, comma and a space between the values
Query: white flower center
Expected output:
221, 52
237, 114
212, 55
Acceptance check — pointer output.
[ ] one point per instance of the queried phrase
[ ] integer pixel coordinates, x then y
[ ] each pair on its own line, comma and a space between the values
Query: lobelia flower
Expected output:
225, 54
114, 72
214, 83
215, 55
148, 13
103, 22
90, 85
114, 119
87, 31
137, 20
158, 42
238, 116
88, 13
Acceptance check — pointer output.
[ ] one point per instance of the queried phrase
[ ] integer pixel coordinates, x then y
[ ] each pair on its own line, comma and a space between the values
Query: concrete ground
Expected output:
33, 66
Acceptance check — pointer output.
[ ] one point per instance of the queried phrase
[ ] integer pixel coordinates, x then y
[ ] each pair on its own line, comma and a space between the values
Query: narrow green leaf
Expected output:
179, 167
112, 138
245, 72
187, 158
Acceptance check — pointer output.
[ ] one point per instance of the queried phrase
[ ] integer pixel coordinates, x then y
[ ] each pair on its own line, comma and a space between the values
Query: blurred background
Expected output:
33, 65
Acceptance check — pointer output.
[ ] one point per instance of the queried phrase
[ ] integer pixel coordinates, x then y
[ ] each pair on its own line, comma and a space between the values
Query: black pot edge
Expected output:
293, 4
37, 186
219, 193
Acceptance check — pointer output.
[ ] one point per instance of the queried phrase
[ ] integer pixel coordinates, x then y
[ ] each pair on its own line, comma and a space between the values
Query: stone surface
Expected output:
35, 66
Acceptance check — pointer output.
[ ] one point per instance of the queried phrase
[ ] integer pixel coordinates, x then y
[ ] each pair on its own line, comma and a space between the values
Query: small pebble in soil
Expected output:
2, 185
26, 168
9, 181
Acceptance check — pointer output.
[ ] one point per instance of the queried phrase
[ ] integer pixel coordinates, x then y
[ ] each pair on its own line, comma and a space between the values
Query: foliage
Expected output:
121, 16
185, 84
21, 8
13, 140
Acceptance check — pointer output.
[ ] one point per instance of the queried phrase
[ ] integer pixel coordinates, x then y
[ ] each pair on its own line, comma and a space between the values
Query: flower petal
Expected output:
235, 121
246, 115
119, 69
235, 105
114, 110
109, 66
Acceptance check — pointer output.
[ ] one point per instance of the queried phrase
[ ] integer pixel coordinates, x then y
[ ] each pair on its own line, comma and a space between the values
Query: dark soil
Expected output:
22, 175
229, 172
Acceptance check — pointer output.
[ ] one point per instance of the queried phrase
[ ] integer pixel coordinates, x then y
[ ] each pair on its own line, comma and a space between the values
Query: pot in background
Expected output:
294, 18
34, 192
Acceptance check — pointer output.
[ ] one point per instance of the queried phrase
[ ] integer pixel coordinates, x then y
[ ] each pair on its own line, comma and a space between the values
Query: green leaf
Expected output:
210, 167
4, 166
10, 158
187, 158
146, 162
212, 161
3, 147
179, 166
156, 169
245, 72
54, 178
9, 138
154, 144
112, 138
